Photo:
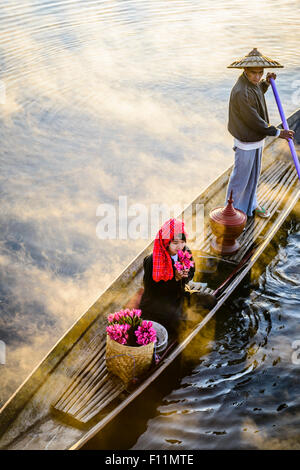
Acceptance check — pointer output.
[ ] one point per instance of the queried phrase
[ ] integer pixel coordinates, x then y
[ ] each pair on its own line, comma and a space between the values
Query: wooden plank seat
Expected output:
91, 389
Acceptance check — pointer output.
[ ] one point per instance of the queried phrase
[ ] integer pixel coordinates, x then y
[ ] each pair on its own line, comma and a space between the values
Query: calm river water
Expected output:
102, 99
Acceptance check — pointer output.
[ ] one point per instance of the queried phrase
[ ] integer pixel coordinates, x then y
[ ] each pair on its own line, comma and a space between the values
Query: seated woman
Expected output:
164, 286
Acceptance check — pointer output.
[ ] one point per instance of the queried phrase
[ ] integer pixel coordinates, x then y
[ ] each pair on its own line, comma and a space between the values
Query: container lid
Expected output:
228, 215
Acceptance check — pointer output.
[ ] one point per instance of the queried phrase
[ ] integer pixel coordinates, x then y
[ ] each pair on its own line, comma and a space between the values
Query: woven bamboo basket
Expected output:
128, 362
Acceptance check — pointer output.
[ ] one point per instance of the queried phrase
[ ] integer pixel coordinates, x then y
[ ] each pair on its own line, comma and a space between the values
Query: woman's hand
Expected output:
181, 275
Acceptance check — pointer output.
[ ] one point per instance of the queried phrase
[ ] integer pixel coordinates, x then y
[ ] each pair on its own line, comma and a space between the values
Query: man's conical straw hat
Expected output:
254, 59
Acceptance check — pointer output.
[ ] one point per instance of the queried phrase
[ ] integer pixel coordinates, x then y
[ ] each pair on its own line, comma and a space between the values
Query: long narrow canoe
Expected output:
70, 395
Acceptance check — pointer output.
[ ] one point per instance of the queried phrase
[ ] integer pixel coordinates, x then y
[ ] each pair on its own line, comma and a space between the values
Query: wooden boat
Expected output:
70, 396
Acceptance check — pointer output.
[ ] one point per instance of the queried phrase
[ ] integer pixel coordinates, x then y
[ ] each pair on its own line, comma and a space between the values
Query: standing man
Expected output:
249, 125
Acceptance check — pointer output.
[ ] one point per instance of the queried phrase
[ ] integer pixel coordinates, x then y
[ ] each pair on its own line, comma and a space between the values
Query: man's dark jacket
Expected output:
248, 115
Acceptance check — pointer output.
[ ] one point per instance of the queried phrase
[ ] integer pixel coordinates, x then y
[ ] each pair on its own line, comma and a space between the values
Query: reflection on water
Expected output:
106, 99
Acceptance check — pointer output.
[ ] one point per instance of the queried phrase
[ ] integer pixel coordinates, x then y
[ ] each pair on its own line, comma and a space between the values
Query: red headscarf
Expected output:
162, 263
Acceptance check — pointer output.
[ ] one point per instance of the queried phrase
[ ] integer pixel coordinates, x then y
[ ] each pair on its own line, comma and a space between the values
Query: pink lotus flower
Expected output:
145, 333
124, 315
184, 262
127, 327
118, 332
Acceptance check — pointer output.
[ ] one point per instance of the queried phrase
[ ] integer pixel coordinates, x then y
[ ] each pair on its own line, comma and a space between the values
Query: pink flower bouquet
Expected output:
184, 261
127, 327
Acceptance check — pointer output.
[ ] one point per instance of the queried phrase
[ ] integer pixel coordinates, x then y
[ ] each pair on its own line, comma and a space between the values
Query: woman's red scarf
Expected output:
162, 262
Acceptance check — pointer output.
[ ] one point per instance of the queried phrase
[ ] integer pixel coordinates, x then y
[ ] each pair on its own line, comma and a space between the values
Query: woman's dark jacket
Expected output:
162, 301
248, 114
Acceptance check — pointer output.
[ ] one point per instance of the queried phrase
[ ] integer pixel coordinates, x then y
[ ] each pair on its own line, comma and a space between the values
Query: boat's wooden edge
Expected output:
293, 118
115, 290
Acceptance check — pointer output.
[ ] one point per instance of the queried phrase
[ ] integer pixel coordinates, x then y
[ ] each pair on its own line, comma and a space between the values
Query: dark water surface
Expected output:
101, 99
236, 386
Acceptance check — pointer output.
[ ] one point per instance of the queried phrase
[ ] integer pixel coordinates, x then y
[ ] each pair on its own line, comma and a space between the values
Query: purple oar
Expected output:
285, 126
